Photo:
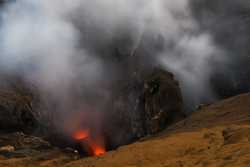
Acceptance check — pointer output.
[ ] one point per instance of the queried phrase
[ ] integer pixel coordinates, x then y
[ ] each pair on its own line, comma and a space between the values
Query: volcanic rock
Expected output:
17, 112
21, 146
19, 104
7, 148
144, 108
216, 135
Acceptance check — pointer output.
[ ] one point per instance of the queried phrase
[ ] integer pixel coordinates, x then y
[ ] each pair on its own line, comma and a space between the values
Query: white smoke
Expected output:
54, 43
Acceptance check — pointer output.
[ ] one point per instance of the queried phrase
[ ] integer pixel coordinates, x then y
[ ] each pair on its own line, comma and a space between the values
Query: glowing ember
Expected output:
98, 150
92, 146
81, 134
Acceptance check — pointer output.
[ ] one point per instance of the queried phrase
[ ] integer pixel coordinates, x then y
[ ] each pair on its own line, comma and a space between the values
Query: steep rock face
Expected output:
16, 112
163, 101
144, 108
17, 105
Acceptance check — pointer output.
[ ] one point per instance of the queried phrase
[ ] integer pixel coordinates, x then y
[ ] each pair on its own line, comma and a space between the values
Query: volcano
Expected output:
124, 83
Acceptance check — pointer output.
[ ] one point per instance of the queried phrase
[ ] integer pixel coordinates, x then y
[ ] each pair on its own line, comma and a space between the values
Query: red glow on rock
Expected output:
81, 134
98, 150
92, 145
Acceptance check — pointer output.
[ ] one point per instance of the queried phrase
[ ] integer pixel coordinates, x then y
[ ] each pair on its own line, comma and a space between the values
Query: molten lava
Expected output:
91, 146
98, 149
81, 134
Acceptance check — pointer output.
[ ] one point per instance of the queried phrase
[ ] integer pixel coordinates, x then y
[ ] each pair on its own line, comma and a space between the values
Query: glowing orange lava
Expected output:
93, 146
98, 150
81, 134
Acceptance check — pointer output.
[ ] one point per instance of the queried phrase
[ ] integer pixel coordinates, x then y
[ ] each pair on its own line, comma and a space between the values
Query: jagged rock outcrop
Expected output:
16, 112
21, 146
17, 105
144, 108
140, 107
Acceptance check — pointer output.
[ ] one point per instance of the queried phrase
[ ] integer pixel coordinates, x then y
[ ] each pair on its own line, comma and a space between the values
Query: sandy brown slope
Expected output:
217, 135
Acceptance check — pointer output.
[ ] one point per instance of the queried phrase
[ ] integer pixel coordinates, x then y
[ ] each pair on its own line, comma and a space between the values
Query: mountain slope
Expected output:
217, 135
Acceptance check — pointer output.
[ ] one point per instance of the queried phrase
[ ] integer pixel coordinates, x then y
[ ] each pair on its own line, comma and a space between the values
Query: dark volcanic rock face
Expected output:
17, 106
163, 101
16, 112
144, 108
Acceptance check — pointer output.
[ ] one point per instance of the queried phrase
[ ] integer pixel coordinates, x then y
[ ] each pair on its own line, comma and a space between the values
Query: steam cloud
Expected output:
72, 50
228, 22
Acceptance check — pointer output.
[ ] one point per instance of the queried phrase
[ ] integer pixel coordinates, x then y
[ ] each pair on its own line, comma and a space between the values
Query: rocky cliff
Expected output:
138, 108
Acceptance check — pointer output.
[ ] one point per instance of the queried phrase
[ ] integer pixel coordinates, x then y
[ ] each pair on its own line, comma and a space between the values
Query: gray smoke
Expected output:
76, 51
228, 21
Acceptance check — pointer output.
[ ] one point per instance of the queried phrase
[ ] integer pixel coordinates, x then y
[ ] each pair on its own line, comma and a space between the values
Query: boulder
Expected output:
144, 108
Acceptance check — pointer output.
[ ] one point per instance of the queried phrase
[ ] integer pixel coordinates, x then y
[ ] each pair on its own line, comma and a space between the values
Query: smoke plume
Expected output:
228, 22
76, 51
